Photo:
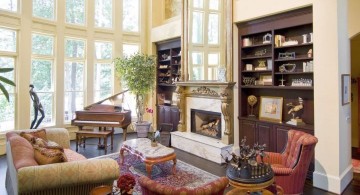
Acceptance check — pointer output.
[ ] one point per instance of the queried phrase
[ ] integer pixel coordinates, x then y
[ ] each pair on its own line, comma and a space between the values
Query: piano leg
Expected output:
77, 142
112, 138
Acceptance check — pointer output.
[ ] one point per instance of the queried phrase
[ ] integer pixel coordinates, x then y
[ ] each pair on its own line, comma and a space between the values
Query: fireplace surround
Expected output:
211, 97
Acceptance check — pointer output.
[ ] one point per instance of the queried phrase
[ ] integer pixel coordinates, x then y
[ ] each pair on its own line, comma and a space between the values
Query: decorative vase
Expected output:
142, 129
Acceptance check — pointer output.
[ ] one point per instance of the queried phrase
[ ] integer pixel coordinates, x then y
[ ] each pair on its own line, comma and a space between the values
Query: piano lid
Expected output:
107, 104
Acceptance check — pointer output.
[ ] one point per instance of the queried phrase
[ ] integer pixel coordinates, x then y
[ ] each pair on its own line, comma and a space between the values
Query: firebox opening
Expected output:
206, 123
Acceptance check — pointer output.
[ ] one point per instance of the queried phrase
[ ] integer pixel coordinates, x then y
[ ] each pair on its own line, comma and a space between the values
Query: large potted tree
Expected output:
138, 73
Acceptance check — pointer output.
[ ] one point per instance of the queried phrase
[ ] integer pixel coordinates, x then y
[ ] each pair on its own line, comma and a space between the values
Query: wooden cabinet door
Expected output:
248, 130
161, 114
281, 137
264, 135
175, 117
167, 113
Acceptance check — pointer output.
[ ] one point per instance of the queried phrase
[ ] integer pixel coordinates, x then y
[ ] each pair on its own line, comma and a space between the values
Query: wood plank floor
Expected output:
91, 151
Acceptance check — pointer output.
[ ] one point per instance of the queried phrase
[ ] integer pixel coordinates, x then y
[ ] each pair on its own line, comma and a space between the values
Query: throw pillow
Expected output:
31, 135
45, 156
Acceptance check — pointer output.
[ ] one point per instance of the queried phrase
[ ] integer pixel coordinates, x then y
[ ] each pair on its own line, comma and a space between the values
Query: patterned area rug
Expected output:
186, 174
356, 165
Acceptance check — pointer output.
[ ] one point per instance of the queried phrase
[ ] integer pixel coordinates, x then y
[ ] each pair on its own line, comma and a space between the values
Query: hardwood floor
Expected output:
91, 151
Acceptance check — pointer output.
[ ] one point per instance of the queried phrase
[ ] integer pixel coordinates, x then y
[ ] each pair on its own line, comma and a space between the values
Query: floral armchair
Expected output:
151, 187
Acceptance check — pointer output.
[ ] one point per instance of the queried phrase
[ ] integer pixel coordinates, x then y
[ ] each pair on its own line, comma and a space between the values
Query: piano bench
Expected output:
83, 134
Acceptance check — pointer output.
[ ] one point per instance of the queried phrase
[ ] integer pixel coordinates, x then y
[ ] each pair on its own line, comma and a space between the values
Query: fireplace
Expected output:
206, 123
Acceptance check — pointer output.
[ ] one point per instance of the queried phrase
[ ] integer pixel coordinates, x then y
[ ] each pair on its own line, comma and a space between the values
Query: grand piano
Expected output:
104, 114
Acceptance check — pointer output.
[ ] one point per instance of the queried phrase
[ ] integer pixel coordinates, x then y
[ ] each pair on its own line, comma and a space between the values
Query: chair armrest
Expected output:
282, 171
67, 174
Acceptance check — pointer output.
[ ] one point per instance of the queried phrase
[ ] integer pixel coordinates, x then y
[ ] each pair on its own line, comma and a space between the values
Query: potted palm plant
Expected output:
5, 80
138, 73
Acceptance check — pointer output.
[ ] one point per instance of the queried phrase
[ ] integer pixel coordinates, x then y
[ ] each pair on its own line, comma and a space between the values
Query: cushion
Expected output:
22, 151
45, 156
73, 156
31, 135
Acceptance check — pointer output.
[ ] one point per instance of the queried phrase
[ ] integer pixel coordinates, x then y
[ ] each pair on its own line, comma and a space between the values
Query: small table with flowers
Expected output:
150, 155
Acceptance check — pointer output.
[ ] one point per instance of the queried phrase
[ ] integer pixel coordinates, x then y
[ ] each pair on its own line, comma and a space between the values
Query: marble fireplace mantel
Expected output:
207, 96
208, 90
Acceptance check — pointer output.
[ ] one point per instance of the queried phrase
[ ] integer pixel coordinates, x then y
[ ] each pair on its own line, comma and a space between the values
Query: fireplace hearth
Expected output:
206, 123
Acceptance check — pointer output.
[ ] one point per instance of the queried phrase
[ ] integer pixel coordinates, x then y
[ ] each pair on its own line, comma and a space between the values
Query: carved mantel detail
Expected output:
204, 91
212, 90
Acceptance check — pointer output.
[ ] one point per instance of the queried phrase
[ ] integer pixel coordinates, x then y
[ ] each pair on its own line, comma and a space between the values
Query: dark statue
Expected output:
246, 167
37, 108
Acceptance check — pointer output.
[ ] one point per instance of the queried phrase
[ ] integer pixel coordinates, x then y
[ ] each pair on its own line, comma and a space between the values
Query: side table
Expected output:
244, 188
101, 190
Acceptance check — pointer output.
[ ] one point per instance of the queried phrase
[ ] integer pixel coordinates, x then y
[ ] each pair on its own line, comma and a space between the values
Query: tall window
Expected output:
44, 9
74, 77
103, 70
130, 103
75, 12
42, 69
205, 46
103, 13
8, 54
131, 12
9, 5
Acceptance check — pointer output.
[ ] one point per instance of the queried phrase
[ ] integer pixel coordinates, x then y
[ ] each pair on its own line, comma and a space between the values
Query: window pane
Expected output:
73, 101
103, 13
214, 4
197, 27
213, 59
42, 44
197, 58
10, 5
46, 100
103, 50
198, 3
130, 49
41, 75
74, 76
7, 62
213, 29
197, 73
75, 12
74, 48
44, 9
212, 72
131, 11
7, 40
103, 81
7, 116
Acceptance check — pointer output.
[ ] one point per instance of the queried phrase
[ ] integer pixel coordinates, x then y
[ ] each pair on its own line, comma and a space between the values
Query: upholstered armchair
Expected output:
290, 166
151, 187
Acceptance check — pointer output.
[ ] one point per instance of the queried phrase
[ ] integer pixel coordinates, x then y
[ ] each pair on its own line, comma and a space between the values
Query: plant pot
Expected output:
153, 144
142, 129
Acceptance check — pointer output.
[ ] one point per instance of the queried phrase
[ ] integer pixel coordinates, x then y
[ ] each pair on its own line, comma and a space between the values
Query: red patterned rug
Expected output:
186, 174
356, 165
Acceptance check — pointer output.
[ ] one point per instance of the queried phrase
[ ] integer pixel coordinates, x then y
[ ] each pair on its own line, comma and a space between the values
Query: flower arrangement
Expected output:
126, 183
150, 111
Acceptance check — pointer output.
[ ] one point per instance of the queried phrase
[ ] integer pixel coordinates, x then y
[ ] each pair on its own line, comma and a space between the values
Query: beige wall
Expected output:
355, 73
331, 56
354, 15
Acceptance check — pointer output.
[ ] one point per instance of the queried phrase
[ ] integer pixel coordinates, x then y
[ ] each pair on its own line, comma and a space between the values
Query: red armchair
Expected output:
151, 187
290, 167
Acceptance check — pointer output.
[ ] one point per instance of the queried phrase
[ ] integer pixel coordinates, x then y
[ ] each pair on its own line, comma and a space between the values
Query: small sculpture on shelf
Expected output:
252, 100
262, 65
245, 167
296, 111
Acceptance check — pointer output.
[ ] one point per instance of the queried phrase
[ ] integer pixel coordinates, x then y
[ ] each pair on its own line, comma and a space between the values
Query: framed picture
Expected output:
345, 89
271, 108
